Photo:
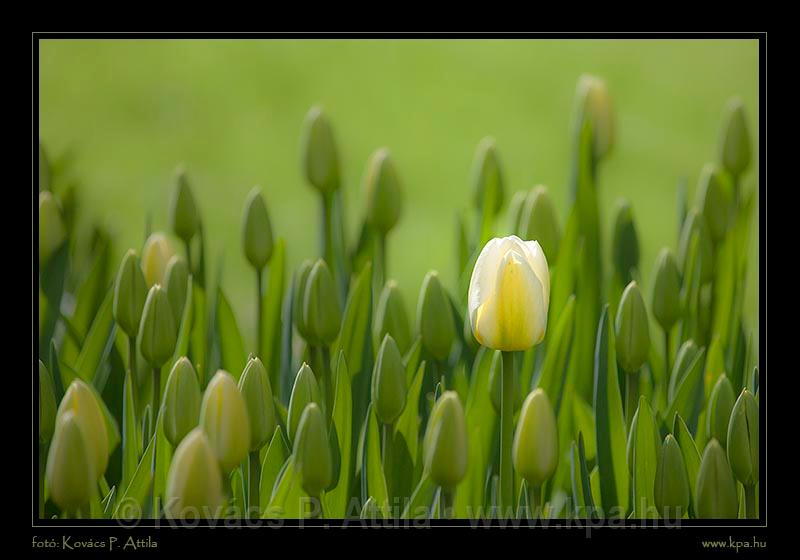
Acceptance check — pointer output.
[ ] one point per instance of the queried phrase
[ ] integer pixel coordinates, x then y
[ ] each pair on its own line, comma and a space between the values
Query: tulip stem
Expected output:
388, 455
154, 429
254, 506
534, 501
506, 428
327, 231
259, 312
750, 501
188, 244
314, 507
631, 396
666, 357
446, 499
132, 367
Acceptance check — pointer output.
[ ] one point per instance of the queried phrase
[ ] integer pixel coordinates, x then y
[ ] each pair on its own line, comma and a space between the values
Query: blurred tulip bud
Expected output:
181, 401
535, 447
743, 439
487, 177
194, 481
594, 103
320, 160
720, 404
305, 390
176, 284
254, 386
715, 488
539, 221
632, 330
156, 255
82, 402
157, 332
695, 225
671, 490
383, 192
391, 318
47, 404
298, 296
182, 209
130, 292
389, 382
322, 314
625, 244
52, 232
70, 472
312, 451
713, 201
445, 442
735, 141
257, 238
224, 419
435, 322
666, 290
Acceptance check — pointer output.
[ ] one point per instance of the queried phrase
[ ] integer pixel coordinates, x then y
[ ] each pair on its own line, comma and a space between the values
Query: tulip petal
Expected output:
481, 284
538, 261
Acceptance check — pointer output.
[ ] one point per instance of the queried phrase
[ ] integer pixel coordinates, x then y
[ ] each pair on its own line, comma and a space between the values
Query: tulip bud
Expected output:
735, 140
625, 244
319, 158
254, 386
383, 193
224, 418
298, 296
594, 103
445, 442
713, 201
539, 221
389, 382
487, 177
391, 318
305, 390
156, 255
632, 330
183, 211
194, 481
70, 470
720, 404
47, 404
666, 290
312, 451
322, 314
176, 283
695, 225
257, 230
181, 401
52, 232
435, 322
671, 490
743, 439
535, 448
82, 402
130, 292
157, 332
715, 488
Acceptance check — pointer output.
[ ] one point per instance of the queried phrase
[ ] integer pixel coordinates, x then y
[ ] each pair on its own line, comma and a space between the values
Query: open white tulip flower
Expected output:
509, 294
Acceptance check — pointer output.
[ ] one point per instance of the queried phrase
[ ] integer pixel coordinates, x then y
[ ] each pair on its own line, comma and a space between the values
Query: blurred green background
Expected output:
127, 112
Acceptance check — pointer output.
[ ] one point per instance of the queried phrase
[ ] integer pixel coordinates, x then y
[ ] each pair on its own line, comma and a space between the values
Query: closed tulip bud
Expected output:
256, 231
130, 292
671, 491
389, 382
666, 290
535, 450
52, 232
254, 386
735, 140
181, 401
301, 281
224, 419
70, 467
435, 322
594, 103
632, 330
445, 443
320, 161
194, 481
720, 404
305, 390
715, 488
322, 314
182, 209
743, 439
391, 318
383, 192
156, 255
539, 221
312, 451
713, 201
47, 404
176, 283
625, 244
509, 294
157, 332
696, 226
487, 177
82, 402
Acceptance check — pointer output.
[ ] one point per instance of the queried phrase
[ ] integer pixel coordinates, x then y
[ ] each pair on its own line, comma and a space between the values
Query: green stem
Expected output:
446, 499
631, 396
327, 230
253, 504
387, 457
666, 357
188, 245
506, 428
750, 501
534, 501
259, 312
314, 508
153, 430
132, 368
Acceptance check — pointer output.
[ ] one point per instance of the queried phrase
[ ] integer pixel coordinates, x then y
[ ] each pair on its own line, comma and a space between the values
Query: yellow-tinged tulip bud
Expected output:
254, 386
320, 161
391, 318
671, 491
713, 200
743, 439
487, 177
300, 283
435, 322
223, 417
130, 292
157, 332
735, 141
535, 448
304, 391
594, 103
312, 451
445, 442
257, 230
539, 220
70, 470
720, 404
52, 232
156, 255
322, 313
509, 294
632, 330
715, 488
47, 404
82, 402
383, 192
625, 244
182, 209
389, 382
695, 225
666, 290
181, 401
194, 481
176, 283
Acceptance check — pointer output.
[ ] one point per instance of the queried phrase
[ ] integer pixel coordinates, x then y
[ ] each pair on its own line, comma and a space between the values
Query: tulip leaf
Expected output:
645, 457
51, 281
198, 336
688, 391
342, 429
98, 341
372, 469
163, 458
288, 498
579, 476
355, 322
239, 492
408, 423
130, 438
470, 496
131, 503
271, 313
185, 326
554, 369
691, 456
274, 459
419, 506
230, 338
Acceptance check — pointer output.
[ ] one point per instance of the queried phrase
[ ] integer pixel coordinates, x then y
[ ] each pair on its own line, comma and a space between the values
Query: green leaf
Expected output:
408, 423
288, 498
185, 327
271, 313
554, 369
691, 456
98, 342
51, 282
355, 322
579, 475
419, 506
342, 433
131, 504
230, 338
198, 340
163, 459
645, 457
274, 459
372, 469
130, 438
688, 391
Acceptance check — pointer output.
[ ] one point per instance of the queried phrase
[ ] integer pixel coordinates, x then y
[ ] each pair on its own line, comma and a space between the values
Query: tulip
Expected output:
52, 231
715, 487
625, 243
391, 318
633, 341
695, 226
312, 451
735, 139
389, 382
487, 178
539, 220
435, 322
320, 160
130, 291
176, 283
81, 401
383, 192
156, 255
194, 481
742, 446
224, 418
182, 210
720, 404
666, 302
257, 230
594, 103
47, 404
304, 391
322, 314
181, 401
70, 473
671, 491
713, 201
445, 446
535, 449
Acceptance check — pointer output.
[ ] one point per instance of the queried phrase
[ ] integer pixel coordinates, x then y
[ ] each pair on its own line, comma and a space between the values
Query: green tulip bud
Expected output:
47, 404
445, 442
735, 140
625, 244
44, 169
130, 292
320, 160
52, 232
176, 284
594, 103
695, 225
181, 401
70, 473
194, 481
254, 386
743, 438
391, 318
671, 490
389, 382
82, 402
224, 419
312, 451
156, 255
157, 332
257, 231
666, 290
305, 390
715, 487
298, 296
383, 192
435, 322
322, 314
539, 221
720, 404
535, 449
632, 330
713, 200
487, 177
182, 209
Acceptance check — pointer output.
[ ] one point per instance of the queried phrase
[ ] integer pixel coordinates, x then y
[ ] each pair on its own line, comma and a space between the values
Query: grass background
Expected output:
127, 112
